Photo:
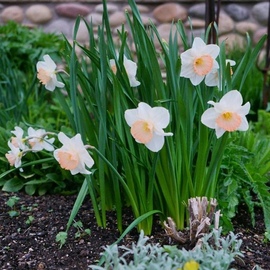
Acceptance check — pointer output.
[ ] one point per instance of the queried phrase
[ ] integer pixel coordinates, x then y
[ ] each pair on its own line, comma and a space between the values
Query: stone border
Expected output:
234, 22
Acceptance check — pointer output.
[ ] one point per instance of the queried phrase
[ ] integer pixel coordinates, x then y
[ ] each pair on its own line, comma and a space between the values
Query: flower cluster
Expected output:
72, 156
147, 123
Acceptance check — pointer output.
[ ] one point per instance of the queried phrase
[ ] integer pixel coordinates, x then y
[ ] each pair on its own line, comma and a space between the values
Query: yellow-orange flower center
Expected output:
68, 160
43, 76
229, 121
203, 65
191, 265
142, 131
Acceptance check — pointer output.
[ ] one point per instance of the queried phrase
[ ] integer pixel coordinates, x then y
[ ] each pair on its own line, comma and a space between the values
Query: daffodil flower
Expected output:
73, 155
14, 155
147, 125
232, 63
18, 141
228, 114
46, 73
39, 140
199, 61
212, 79
131, 70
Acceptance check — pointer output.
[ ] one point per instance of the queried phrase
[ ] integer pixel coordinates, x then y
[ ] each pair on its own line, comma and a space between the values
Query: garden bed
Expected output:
28, 240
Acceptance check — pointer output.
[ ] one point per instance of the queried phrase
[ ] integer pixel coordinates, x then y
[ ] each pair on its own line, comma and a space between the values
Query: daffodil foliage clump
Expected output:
150, 122
215, 253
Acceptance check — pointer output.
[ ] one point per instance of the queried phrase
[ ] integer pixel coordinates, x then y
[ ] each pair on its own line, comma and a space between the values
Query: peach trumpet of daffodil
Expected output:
131, 70
228, 114
147, 125
46, 73
199, 61
73, 155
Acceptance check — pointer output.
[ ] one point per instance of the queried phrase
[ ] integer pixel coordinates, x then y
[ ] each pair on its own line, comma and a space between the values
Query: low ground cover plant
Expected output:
215, 252
140, 139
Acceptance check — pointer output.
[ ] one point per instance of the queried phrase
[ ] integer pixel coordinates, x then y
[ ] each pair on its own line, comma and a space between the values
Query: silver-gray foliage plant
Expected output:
214, 252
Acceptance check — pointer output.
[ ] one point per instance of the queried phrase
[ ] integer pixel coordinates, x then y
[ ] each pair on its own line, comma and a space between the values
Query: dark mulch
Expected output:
32, 246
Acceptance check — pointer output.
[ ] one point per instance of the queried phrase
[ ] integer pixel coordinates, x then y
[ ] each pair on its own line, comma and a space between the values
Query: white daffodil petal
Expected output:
244, 110
156, 143
50, 63
131, 116
211, 79
212, 50
160, 116
198, 44
233, 98
196, 80
144, 110
208, 118
219, 132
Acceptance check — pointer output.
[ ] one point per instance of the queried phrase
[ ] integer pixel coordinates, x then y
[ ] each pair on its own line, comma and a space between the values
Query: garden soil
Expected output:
27, 241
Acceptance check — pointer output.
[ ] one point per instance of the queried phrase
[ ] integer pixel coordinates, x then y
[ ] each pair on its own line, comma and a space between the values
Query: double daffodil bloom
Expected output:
73, 155
131, 70
147, 125
228, 114
46, 73
199, 61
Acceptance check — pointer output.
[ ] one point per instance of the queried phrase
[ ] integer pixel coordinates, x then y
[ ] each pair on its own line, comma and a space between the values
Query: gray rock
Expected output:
142, 9
246, 27
82, 34
260, 12
195, 23
164, 31
197, 10
225, 24
233, 41
60, 26
237, 12
95, 18
259, 34
117, 18
110, 7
